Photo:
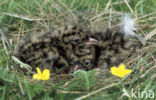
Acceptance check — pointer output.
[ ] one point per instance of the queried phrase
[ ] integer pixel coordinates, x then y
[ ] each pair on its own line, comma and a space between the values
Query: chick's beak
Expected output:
76, 67
91, 41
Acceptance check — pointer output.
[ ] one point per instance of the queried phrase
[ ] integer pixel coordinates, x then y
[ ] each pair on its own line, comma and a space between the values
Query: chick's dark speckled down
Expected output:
111, 48
64, 50
50, 50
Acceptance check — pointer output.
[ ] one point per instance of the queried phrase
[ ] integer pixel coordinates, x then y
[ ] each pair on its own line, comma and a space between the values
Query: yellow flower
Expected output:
42, 75
120, 71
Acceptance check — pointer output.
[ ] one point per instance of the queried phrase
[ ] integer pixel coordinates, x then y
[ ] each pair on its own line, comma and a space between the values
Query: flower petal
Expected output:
36, 76
122, 66
38, 71
45, 74
114, 70
127, 71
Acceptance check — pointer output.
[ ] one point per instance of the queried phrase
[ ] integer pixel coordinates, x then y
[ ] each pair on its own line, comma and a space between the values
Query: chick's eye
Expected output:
87, 62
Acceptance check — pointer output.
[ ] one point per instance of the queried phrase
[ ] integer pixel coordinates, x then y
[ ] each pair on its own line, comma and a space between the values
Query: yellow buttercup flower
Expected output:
120, 71
42, 75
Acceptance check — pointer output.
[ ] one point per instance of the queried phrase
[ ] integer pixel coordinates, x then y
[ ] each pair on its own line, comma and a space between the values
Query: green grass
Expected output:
26, 16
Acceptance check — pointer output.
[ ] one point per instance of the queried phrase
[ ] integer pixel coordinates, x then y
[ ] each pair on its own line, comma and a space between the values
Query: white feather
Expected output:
128, 25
